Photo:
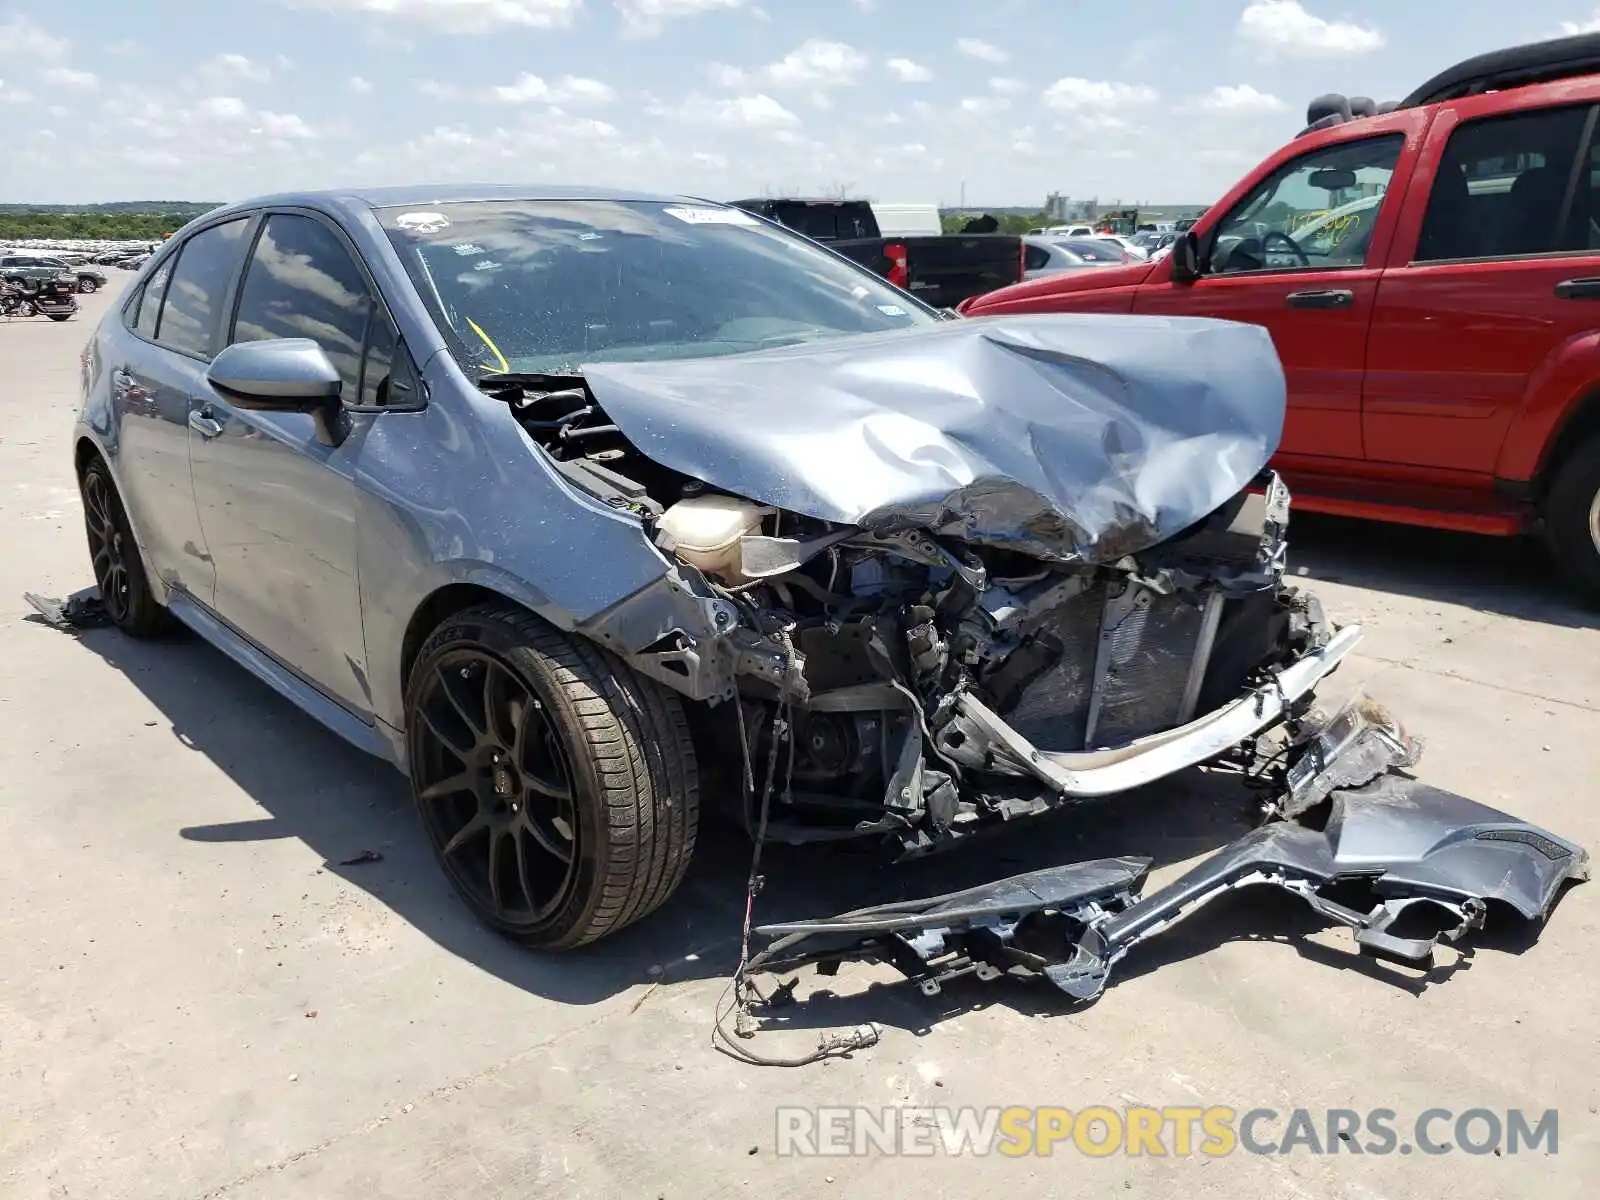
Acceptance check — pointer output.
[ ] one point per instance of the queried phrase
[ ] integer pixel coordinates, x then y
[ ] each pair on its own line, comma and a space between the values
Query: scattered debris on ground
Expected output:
79, 611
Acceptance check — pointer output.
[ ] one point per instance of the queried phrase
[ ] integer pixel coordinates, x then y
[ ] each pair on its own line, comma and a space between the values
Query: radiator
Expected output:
1132, 664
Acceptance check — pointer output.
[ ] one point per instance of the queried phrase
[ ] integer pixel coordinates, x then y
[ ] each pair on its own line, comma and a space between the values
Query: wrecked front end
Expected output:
960, 576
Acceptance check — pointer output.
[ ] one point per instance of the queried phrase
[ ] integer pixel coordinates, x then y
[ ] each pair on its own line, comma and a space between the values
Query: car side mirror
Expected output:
1185, 258
276, 375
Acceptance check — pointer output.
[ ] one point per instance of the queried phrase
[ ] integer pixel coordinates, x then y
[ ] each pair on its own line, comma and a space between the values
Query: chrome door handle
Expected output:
206, 427
1332, 298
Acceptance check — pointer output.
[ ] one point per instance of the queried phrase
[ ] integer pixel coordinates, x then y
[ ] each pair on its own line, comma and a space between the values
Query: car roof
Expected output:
401, 195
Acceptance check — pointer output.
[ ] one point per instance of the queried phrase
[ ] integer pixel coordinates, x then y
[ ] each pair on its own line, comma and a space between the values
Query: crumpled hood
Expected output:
1070, 438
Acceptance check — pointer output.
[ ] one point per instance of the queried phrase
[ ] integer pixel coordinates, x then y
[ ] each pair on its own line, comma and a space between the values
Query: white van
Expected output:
907, 220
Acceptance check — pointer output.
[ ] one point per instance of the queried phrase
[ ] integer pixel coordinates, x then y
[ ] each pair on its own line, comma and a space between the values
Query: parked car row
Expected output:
38, 267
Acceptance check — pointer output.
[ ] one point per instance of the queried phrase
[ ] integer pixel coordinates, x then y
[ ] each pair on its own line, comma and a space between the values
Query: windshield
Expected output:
1093, 250
545, 286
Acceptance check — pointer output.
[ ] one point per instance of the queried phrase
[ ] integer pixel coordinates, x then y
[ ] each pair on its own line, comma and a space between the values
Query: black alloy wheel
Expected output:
495, 788
558, 788
114, 557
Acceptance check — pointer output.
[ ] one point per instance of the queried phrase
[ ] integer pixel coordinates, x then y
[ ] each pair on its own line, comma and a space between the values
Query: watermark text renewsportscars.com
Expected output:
1170, 1131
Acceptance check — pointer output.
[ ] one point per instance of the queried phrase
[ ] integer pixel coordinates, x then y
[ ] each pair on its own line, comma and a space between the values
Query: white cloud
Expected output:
284, 125
21, 37
1285, 27
644, 18
984, 106
758, 111
981, 50
81, 81
1590, 24
13, 95
907, 71
358, 85
229, 70
1001, 83
817, 66
1077, 95
817, 63
1242, 99
222, 108
527, 89
459, 16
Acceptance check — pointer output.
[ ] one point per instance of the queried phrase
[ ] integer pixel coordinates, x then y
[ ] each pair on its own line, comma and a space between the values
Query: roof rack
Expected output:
1519, 66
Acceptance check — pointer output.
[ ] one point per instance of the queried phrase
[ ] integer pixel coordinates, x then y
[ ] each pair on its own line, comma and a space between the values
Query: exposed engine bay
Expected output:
984, 571
936, 666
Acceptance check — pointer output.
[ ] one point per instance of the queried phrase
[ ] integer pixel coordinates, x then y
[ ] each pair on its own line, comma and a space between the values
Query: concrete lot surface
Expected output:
197, 1001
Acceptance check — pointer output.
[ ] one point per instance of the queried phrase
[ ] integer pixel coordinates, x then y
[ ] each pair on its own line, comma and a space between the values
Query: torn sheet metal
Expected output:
1407, 842
1065, 437
81, 610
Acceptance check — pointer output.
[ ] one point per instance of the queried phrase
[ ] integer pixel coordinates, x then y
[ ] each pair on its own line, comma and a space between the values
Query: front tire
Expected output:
115, 559
558, 788
86, 287
1572, 519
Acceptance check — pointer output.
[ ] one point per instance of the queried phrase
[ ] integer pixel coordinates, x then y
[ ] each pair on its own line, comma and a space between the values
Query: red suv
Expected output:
1431, 278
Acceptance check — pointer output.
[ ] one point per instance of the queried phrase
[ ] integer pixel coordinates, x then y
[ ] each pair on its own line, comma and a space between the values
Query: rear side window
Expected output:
1034, 257
303, 282
1503, 189
206, 264
150, 301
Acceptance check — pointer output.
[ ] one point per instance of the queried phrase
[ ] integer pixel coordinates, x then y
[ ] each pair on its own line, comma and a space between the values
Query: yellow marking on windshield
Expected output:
488, 341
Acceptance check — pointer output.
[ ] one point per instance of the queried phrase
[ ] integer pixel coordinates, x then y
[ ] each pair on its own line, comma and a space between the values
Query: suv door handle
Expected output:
206, 427
1579, 289
1332, 298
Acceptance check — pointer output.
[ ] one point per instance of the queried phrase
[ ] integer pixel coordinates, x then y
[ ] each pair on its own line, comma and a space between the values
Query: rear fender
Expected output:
1561, 404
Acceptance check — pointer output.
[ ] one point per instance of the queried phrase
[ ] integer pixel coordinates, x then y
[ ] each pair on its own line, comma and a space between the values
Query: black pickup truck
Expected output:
939, 270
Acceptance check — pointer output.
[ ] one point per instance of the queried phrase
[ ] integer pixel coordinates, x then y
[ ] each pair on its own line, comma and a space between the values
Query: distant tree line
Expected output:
110, 221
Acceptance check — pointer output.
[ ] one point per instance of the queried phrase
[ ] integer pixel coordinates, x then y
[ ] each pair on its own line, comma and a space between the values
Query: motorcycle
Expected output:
53, 298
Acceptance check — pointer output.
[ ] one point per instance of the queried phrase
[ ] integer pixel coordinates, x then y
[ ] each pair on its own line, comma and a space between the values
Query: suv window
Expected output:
303, 282
1315, 211
206, 263
828, 222
1502, 186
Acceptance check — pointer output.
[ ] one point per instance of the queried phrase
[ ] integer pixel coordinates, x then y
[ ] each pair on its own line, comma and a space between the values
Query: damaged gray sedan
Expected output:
579, 507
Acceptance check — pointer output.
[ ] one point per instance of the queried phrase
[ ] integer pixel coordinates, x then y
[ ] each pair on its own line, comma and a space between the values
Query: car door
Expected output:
276, 494
1313, 293
1496, 266
157, 379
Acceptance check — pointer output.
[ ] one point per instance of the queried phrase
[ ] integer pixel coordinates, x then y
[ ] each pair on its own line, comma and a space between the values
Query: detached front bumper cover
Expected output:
1409, 843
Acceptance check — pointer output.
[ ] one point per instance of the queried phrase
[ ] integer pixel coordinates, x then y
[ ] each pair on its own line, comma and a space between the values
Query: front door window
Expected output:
1317, 211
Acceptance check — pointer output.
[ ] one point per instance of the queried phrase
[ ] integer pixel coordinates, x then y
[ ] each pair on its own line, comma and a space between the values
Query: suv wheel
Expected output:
559, 789
114, 557
1572, 519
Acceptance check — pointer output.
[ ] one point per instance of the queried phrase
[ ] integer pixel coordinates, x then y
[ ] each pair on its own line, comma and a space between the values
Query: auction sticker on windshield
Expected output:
709, 216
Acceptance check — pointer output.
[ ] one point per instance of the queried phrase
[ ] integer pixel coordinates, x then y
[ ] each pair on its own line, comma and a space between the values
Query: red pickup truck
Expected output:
1431, 278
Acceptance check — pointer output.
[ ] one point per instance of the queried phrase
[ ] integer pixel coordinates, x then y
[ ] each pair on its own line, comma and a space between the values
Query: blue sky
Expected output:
900, 100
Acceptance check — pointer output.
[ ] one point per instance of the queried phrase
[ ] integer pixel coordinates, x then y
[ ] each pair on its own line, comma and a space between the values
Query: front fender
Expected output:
1556, 391
458, 494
